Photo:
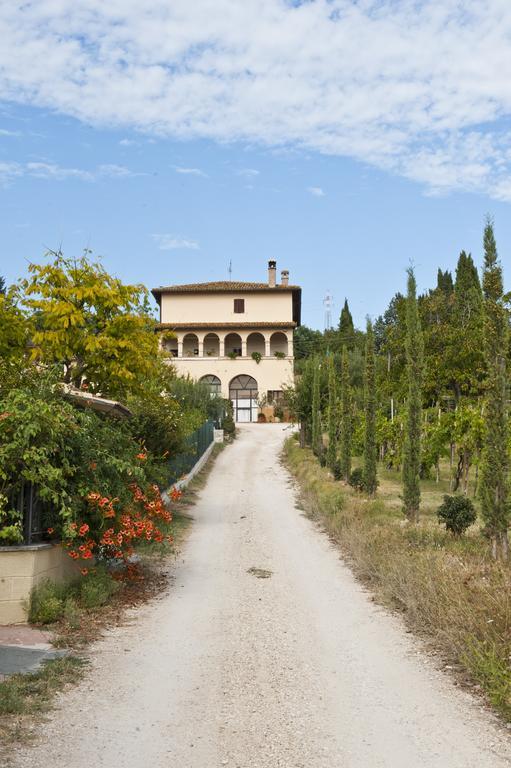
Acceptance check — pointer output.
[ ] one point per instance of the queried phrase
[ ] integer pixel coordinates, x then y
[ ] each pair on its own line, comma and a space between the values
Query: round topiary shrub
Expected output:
457, 513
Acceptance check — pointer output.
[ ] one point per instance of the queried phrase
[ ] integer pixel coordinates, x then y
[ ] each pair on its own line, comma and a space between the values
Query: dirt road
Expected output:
297, 669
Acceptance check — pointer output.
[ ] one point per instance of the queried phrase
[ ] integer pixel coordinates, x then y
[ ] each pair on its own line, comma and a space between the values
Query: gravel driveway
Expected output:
288, 664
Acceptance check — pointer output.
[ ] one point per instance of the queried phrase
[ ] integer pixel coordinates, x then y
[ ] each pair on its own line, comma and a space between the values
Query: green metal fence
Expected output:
196, 445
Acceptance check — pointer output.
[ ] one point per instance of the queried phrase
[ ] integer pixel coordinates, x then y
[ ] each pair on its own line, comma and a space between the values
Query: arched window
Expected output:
233, 344
213, 383
256, 343
243, 395
190, 345
211, 345
278, 344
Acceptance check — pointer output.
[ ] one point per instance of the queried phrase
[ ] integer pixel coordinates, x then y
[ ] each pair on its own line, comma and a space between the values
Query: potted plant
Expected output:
280, 355
257, 356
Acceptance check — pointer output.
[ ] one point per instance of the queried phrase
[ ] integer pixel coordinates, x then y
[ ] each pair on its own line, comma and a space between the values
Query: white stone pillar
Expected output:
180, 346
290, 349
244, 347
201, 345
267, 345
221, 351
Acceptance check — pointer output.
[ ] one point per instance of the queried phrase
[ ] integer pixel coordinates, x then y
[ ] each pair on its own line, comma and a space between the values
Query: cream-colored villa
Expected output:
235, 337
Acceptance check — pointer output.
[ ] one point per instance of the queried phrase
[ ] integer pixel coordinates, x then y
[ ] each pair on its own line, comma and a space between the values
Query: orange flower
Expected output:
50, 530
142, 456
83, 529
84, 571
175, 494
93, 465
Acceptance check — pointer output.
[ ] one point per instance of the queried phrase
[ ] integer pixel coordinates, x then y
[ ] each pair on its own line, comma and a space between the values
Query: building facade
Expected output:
235, 337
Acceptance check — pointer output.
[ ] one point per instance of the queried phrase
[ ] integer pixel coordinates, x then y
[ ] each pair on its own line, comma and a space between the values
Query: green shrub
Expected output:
357, 479
457, 513
257, 356
336, 471
97, 588
47, 601
71, 612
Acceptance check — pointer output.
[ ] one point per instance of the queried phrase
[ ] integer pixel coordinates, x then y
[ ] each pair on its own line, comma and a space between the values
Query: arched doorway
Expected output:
243, 395
213, 383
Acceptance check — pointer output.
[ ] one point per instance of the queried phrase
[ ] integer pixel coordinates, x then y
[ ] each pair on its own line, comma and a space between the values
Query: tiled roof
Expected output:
222, 286
218, 326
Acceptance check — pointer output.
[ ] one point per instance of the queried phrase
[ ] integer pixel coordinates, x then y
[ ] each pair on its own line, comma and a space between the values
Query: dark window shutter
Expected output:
239, 305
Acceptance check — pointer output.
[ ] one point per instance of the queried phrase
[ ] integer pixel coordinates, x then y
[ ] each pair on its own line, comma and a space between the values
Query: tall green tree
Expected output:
346, 327
370, 479
317, 438
331, 454
14, 328
414, 372
494, 487
346, 417
3, 286
97, 328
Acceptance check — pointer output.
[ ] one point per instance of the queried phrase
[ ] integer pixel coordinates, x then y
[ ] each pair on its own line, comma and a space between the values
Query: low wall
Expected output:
24, 566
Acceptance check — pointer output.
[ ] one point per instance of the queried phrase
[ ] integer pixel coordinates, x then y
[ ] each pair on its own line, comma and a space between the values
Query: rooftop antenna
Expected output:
230, 270
328, 303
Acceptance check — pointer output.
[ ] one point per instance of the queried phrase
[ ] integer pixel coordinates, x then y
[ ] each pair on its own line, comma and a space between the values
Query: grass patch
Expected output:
448, 589
25, 697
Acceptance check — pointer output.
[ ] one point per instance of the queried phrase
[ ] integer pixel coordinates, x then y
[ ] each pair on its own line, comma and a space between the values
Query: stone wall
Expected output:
21, 568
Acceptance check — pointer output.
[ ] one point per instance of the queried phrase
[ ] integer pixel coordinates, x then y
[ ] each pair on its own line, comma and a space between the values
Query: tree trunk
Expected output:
466, 468
476, 479
437, 470
302, 434
459, 472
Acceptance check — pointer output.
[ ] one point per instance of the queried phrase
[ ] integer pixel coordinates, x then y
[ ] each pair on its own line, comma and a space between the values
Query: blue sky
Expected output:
172, 142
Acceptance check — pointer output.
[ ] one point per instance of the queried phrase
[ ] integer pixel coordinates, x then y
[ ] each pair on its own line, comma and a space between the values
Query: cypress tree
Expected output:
370, 480
316, 412
412, 437
2, 285
494, 489
346, 426
346, 327
331, 454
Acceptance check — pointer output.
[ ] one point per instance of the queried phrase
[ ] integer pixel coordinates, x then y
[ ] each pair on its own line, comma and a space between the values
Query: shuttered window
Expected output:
239, 305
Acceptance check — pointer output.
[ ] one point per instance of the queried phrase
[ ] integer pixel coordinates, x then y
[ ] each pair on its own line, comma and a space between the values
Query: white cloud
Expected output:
48, 170
418, 88
190, 171
127, 143
249, 173
5, 132
166, 242
316, 191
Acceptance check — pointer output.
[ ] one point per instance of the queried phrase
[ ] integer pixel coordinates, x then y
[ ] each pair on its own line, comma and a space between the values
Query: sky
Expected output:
345, 139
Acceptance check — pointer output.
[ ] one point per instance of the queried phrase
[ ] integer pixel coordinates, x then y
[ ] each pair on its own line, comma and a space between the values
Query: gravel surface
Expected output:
265, 652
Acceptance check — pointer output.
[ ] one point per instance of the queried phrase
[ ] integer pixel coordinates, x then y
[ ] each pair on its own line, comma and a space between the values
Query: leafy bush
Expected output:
47, 602
257, 356
457, 513
357, 479
71, 612
97, 588
337, 470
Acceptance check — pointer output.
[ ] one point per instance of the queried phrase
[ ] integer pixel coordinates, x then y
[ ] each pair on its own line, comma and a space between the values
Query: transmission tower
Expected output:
328, 302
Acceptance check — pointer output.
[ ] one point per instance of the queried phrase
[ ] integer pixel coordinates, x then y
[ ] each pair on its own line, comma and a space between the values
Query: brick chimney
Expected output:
284, 277
272, 274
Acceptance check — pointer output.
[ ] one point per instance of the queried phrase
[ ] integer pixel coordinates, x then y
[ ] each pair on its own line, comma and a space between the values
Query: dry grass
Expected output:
448, 590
